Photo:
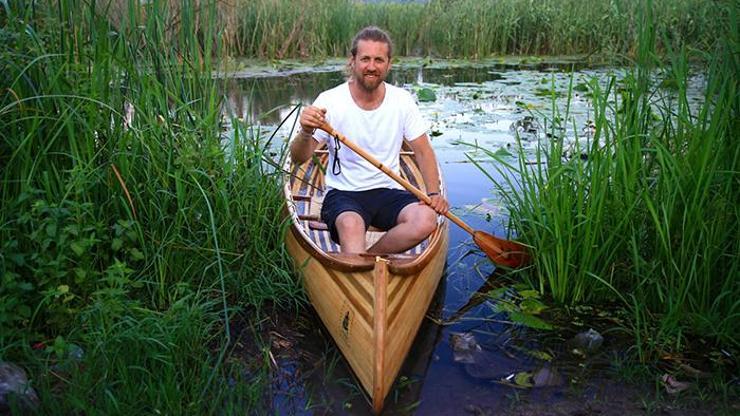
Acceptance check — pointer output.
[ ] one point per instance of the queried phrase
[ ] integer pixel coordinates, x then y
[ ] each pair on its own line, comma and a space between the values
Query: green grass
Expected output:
136, 238
650, 217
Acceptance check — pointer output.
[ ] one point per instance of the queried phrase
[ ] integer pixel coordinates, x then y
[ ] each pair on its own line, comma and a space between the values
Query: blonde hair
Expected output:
373, 33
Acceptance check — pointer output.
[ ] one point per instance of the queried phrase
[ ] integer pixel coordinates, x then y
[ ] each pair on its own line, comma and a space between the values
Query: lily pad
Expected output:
581, 87
529, 320
426, 95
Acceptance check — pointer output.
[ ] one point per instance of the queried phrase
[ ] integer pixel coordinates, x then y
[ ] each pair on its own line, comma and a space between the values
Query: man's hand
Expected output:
303, 145
438, 203
312, 118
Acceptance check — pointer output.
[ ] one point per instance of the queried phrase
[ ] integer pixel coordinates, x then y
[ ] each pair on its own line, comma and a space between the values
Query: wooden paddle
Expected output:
502, 252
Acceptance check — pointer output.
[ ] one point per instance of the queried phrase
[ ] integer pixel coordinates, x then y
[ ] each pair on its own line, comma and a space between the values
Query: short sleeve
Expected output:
415, 125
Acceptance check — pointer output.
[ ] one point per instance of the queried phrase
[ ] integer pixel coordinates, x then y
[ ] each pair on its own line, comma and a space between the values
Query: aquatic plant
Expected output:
648, 216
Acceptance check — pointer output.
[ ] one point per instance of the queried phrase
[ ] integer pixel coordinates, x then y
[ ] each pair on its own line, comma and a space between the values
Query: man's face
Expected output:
371, 65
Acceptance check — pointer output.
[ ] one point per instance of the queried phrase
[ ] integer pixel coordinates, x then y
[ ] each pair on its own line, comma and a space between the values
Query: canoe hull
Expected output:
350, 308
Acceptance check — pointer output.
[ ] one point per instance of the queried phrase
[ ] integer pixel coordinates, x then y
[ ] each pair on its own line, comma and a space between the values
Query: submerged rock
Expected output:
479, 363
588, 341
464, 347
547, 377
14, 387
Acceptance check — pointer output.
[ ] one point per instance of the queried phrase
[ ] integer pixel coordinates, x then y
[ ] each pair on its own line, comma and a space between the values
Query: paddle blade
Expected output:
502, 252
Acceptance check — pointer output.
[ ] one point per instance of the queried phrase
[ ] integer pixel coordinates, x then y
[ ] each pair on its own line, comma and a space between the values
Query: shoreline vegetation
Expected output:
644, 210
473, 29
131, 236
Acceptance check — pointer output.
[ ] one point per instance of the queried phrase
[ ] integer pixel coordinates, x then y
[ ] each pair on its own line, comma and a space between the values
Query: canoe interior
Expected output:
306, 188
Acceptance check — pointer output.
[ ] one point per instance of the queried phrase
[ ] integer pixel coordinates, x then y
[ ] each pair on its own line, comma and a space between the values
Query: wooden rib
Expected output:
397, 286
365, 293
401, 296
380, 276
362, 307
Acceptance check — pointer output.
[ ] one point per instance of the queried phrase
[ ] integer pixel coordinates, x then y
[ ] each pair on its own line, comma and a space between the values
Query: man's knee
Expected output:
423, 219
427, 221
350, 221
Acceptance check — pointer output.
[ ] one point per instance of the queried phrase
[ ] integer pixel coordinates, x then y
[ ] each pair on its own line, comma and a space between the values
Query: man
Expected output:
376, 116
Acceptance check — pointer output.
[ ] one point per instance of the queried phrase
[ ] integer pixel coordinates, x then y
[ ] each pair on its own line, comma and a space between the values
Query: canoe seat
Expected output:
319, 225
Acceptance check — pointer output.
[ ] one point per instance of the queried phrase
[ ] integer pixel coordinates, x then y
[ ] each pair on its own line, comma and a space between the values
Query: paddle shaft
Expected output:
395, 176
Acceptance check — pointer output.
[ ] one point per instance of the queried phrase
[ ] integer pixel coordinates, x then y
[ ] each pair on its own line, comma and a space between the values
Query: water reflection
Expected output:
257, 99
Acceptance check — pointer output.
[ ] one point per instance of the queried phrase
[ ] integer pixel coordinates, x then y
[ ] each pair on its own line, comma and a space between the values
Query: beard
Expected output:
370, 84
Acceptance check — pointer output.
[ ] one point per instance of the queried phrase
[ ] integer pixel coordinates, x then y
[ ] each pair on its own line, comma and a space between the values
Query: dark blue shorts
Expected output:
378, 207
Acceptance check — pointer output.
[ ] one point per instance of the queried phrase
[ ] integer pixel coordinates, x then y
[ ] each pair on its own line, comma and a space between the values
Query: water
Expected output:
488, 105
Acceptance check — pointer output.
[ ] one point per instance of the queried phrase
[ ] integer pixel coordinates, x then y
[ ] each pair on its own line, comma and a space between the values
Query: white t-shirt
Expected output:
380, 132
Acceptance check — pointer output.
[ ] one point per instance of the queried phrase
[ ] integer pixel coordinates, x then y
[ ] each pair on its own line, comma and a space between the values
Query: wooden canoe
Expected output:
372, 305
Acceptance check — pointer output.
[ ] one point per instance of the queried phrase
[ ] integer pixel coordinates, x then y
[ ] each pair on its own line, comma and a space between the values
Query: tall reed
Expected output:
278, 29
125, 225
649, 215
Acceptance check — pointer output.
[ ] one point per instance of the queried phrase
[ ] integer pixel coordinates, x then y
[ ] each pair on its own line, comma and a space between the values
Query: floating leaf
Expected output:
529, 293
529, 320
532, 306
523, 379
581, 87
426, 95
502, 152
540, 355
547, 92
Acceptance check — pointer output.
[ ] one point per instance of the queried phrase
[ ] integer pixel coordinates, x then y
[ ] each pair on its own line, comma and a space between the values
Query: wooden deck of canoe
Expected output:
372, 304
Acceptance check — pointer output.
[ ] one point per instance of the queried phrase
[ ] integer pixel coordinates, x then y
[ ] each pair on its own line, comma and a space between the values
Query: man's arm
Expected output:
429, 171
303, 144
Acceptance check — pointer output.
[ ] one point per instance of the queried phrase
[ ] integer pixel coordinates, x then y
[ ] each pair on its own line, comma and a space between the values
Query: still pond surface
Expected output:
469, 357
